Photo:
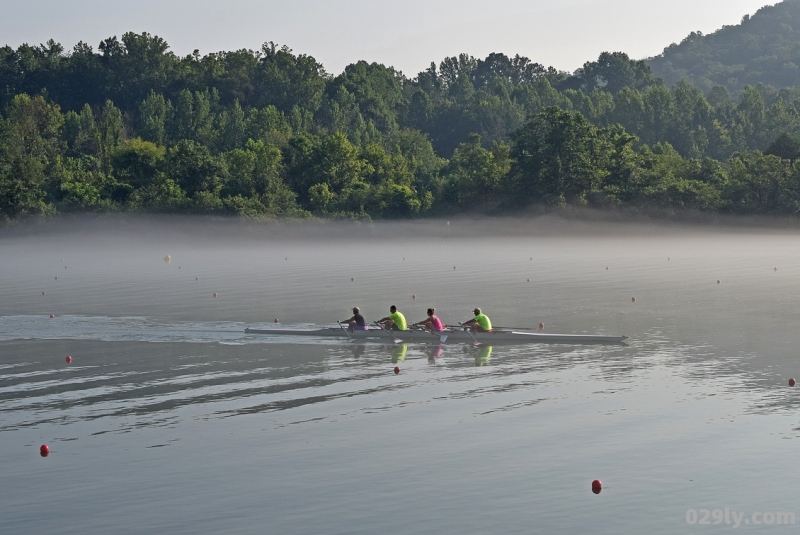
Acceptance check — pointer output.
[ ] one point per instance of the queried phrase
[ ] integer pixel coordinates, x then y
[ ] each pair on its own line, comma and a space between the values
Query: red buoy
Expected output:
792, 382
597, 486
44, 450
396, 370
52, 316
541, 325
69, 359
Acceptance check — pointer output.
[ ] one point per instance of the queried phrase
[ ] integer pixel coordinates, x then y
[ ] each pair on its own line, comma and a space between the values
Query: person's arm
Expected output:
351, 320
473, 321
387, 318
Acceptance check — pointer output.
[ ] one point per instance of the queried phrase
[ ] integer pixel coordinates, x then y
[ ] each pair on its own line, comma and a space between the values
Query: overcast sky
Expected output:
405, 34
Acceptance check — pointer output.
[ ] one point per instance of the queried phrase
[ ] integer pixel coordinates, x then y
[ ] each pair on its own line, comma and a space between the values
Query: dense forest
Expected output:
132, 127
763, 49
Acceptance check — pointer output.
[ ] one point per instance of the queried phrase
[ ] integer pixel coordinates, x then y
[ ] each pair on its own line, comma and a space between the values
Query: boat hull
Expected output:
495, 337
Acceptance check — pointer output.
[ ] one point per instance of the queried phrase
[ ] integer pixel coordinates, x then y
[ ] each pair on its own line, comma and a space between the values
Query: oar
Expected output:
469, 333
396, 340
345, 331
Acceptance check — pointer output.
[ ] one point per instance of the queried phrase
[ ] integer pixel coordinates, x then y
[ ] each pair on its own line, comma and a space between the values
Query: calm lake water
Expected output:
171, 419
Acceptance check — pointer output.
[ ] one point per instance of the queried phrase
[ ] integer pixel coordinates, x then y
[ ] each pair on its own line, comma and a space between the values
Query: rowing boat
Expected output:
455, 335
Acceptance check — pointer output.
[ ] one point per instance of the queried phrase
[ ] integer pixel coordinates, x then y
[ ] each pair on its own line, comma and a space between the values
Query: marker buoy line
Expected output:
44, 450
69, 359
396, 370
792, 382
597, 486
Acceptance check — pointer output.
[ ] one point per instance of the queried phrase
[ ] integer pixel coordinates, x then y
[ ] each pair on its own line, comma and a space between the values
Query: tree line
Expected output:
133, 127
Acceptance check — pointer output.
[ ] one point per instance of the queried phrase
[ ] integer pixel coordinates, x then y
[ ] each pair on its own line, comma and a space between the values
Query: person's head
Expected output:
356, 310
392, 309
477, 311
431, 311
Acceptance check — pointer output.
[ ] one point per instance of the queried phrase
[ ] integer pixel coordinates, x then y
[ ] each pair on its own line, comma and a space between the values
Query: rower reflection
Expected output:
433, 352
399, 353
484, 356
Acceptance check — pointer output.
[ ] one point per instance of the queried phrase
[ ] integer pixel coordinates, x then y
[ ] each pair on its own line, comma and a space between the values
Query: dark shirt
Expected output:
360, 320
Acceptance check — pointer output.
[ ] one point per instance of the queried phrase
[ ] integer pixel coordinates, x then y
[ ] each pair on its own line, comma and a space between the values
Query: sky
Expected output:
405, 34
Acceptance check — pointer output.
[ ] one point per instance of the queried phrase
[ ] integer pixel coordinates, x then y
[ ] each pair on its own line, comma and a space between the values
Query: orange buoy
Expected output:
396, 370
597, 486
792, 382
44, 450
69, 359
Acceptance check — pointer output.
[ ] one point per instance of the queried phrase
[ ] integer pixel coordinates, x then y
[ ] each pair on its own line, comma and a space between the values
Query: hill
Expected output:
764, 48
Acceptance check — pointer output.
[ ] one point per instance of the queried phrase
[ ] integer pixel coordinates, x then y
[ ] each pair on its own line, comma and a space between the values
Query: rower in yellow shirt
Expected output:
394, 321
480, 323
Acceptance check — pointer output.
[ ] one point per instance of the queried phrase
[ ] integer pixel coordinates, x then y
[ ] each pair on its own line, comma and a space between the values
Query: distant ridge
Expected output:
764, 48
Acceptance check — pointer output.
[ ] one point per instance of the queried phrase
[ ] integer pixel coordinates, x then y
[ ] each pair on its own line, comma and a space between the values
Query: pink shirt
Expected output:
436, 323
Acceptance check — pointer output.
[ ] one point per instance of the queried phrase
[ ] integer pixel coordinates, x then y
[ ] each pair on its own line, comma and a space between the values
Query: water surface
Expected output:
171, 418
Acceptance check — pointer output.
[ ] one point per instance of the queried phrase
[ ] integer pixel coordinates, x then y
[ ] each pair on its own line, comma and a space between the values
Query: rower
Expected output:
394, 321
432, 322
357, 322
480, 323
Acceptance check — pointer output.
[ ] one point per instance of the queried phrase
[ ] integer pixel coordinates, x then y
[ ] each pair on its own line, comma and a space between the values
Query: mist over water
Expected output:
170, 417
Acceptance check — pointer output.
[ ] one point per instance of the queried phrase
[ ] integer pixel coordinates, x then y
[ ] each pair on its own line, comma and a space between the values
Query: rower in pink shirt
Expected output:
432, 322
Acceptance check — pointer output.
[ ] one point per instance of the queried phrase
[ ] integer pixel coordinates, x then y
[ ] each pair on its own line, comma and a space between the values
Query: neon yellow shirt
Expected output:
399, 321
484, 322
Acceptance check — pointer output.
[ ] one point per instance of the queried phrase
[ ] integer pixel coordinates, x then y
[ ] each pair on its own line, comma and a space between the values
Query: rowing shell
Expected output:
496, 336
